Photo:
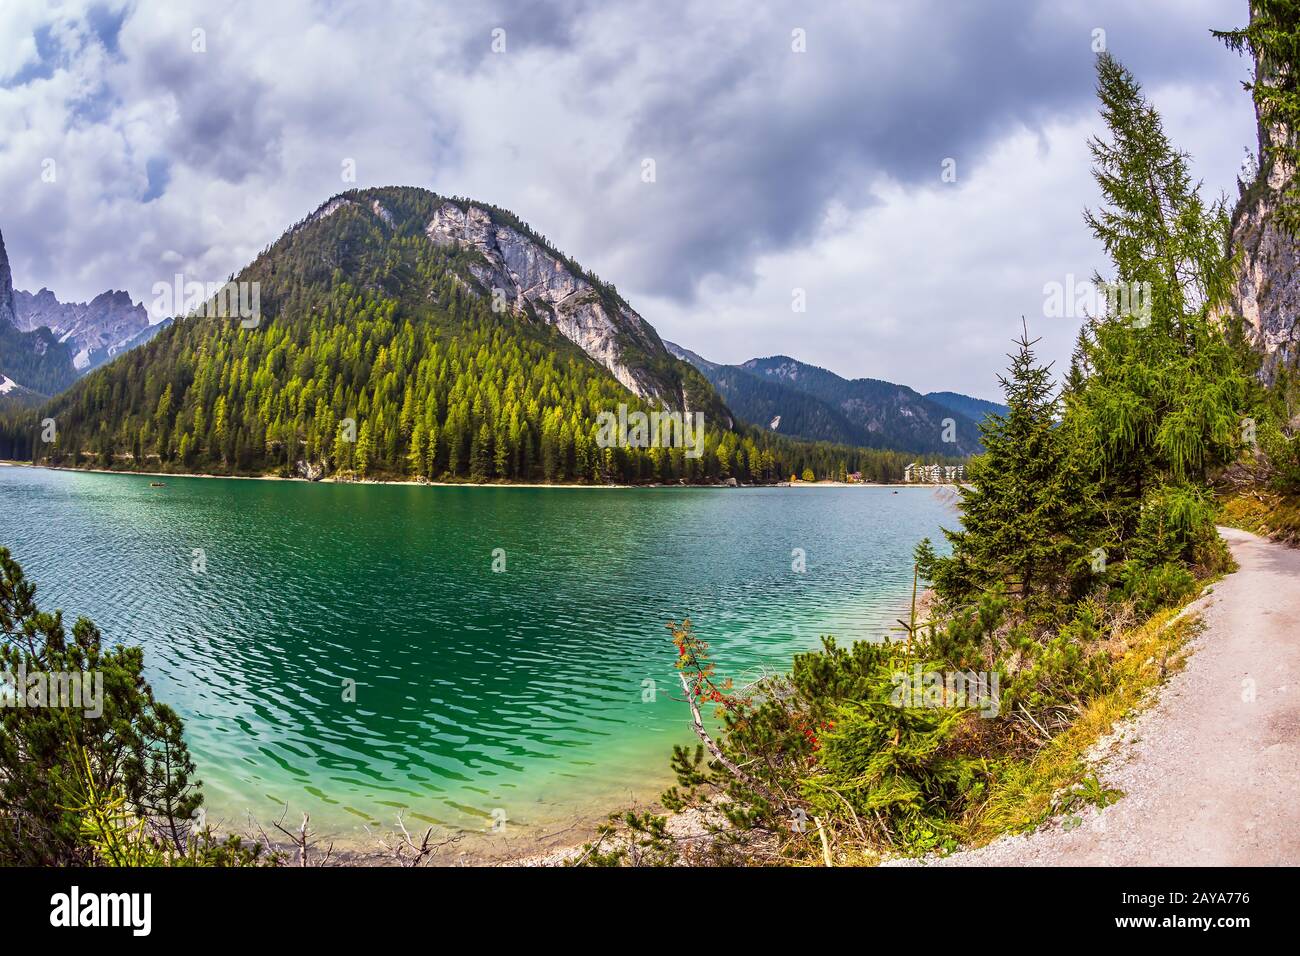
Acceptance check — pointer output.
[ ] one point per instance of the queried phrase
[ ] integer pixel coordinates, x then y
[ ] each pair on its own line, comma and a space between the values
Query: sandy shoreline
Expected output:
463, 484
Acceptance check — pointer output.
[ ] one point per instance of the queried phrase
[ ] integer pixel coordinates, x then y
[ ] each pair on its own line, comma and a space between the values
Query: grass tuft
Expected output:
1024, 794
1264, 512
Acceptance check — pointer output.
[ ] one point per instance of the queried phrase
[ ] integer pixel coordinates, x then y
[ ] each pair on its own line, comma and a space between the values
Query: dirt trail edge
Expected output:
1210, 771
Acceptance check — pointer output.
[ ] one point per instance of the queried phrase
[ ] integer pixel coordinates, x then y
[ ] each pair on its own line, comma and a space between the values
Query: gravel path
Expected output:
1210, 772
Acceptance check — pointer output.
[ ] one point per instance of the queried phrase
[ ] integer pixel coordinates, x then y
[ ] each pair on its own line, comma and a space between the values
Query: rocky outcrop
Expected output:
97, 330
6, 287
520, 272
1266, 292
1266, 288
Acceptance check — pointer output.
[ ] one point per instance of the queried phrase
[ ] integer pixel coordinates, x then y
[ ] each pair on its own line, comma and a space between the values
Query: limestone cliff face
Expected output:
530, 277
1266, 291
6, 287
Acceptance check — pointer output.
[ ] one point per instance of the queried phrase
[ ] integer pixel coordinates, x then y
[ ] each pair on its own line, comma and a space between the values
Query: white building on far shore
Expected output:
917, 473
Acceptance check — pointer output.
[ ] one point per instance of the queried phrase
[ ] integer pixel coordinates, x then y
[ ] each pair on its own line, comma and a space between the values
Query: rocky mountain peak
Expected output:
497, 257
114, 299
776, 366
6, 287
530, 277
96, 330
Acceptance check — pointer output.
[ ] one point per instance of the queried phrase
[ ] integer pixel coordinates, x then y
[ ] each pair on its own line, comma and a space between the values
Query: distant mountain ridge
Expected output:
806, 401
46, 345
973, 408
35, 360
98, 330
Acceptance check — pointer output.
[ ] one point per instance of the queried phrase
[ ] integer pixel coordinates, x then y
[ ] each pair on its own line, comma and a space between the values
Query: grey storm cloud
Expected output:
763, 139
227, 124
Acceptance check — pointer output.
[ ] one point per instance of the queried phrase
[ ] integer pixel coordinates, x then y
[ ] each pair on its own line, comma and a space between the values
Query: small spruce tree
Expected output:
1027, 514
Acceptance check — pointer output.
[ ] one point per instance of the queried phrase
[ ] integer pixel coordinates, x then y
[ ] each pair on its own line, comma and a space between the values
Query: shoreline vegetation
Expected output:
828, 483
1060, 783
1089, 526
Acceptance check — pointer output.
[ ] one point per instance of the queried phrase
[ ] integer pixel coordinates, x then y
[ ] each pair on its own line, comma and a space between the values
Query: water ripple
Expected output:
261, 605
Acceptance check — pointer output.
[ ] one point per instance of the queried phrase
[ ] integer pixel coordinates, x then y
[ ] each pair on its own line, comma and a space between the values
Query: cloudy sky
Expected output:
795, 146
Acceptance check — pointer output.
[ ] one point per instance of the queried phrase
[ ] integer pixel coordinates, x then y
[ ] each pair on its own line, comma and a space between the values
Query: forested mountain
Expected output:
793, 398
973, 408
773, 405
886, 414
403, 334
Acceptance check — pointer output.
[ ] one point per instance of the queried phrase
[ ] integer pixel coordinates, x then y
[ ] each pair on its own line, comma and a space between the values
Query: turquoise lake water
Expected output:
480, 695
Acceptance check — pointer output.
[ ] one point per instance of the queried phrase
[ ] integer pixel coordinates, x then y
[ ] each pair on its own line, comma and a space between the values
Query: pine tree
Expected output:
1163, 393
418, 452
363, 450
136, 742
480, 468
1079, 366
1154, 224
924, 558
1026, 518
1272, 38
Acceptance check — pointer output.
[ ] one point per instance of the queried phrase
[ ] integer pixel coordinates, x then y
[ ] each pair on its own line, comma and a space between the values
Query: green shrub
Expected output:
896, 765
1176, 524
1049, 675
1151, 589
1283, 453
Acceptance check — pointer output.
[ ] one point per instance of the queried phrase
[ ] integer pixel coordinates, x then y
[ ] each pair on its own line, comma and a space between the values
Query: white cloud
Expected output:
18, 22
